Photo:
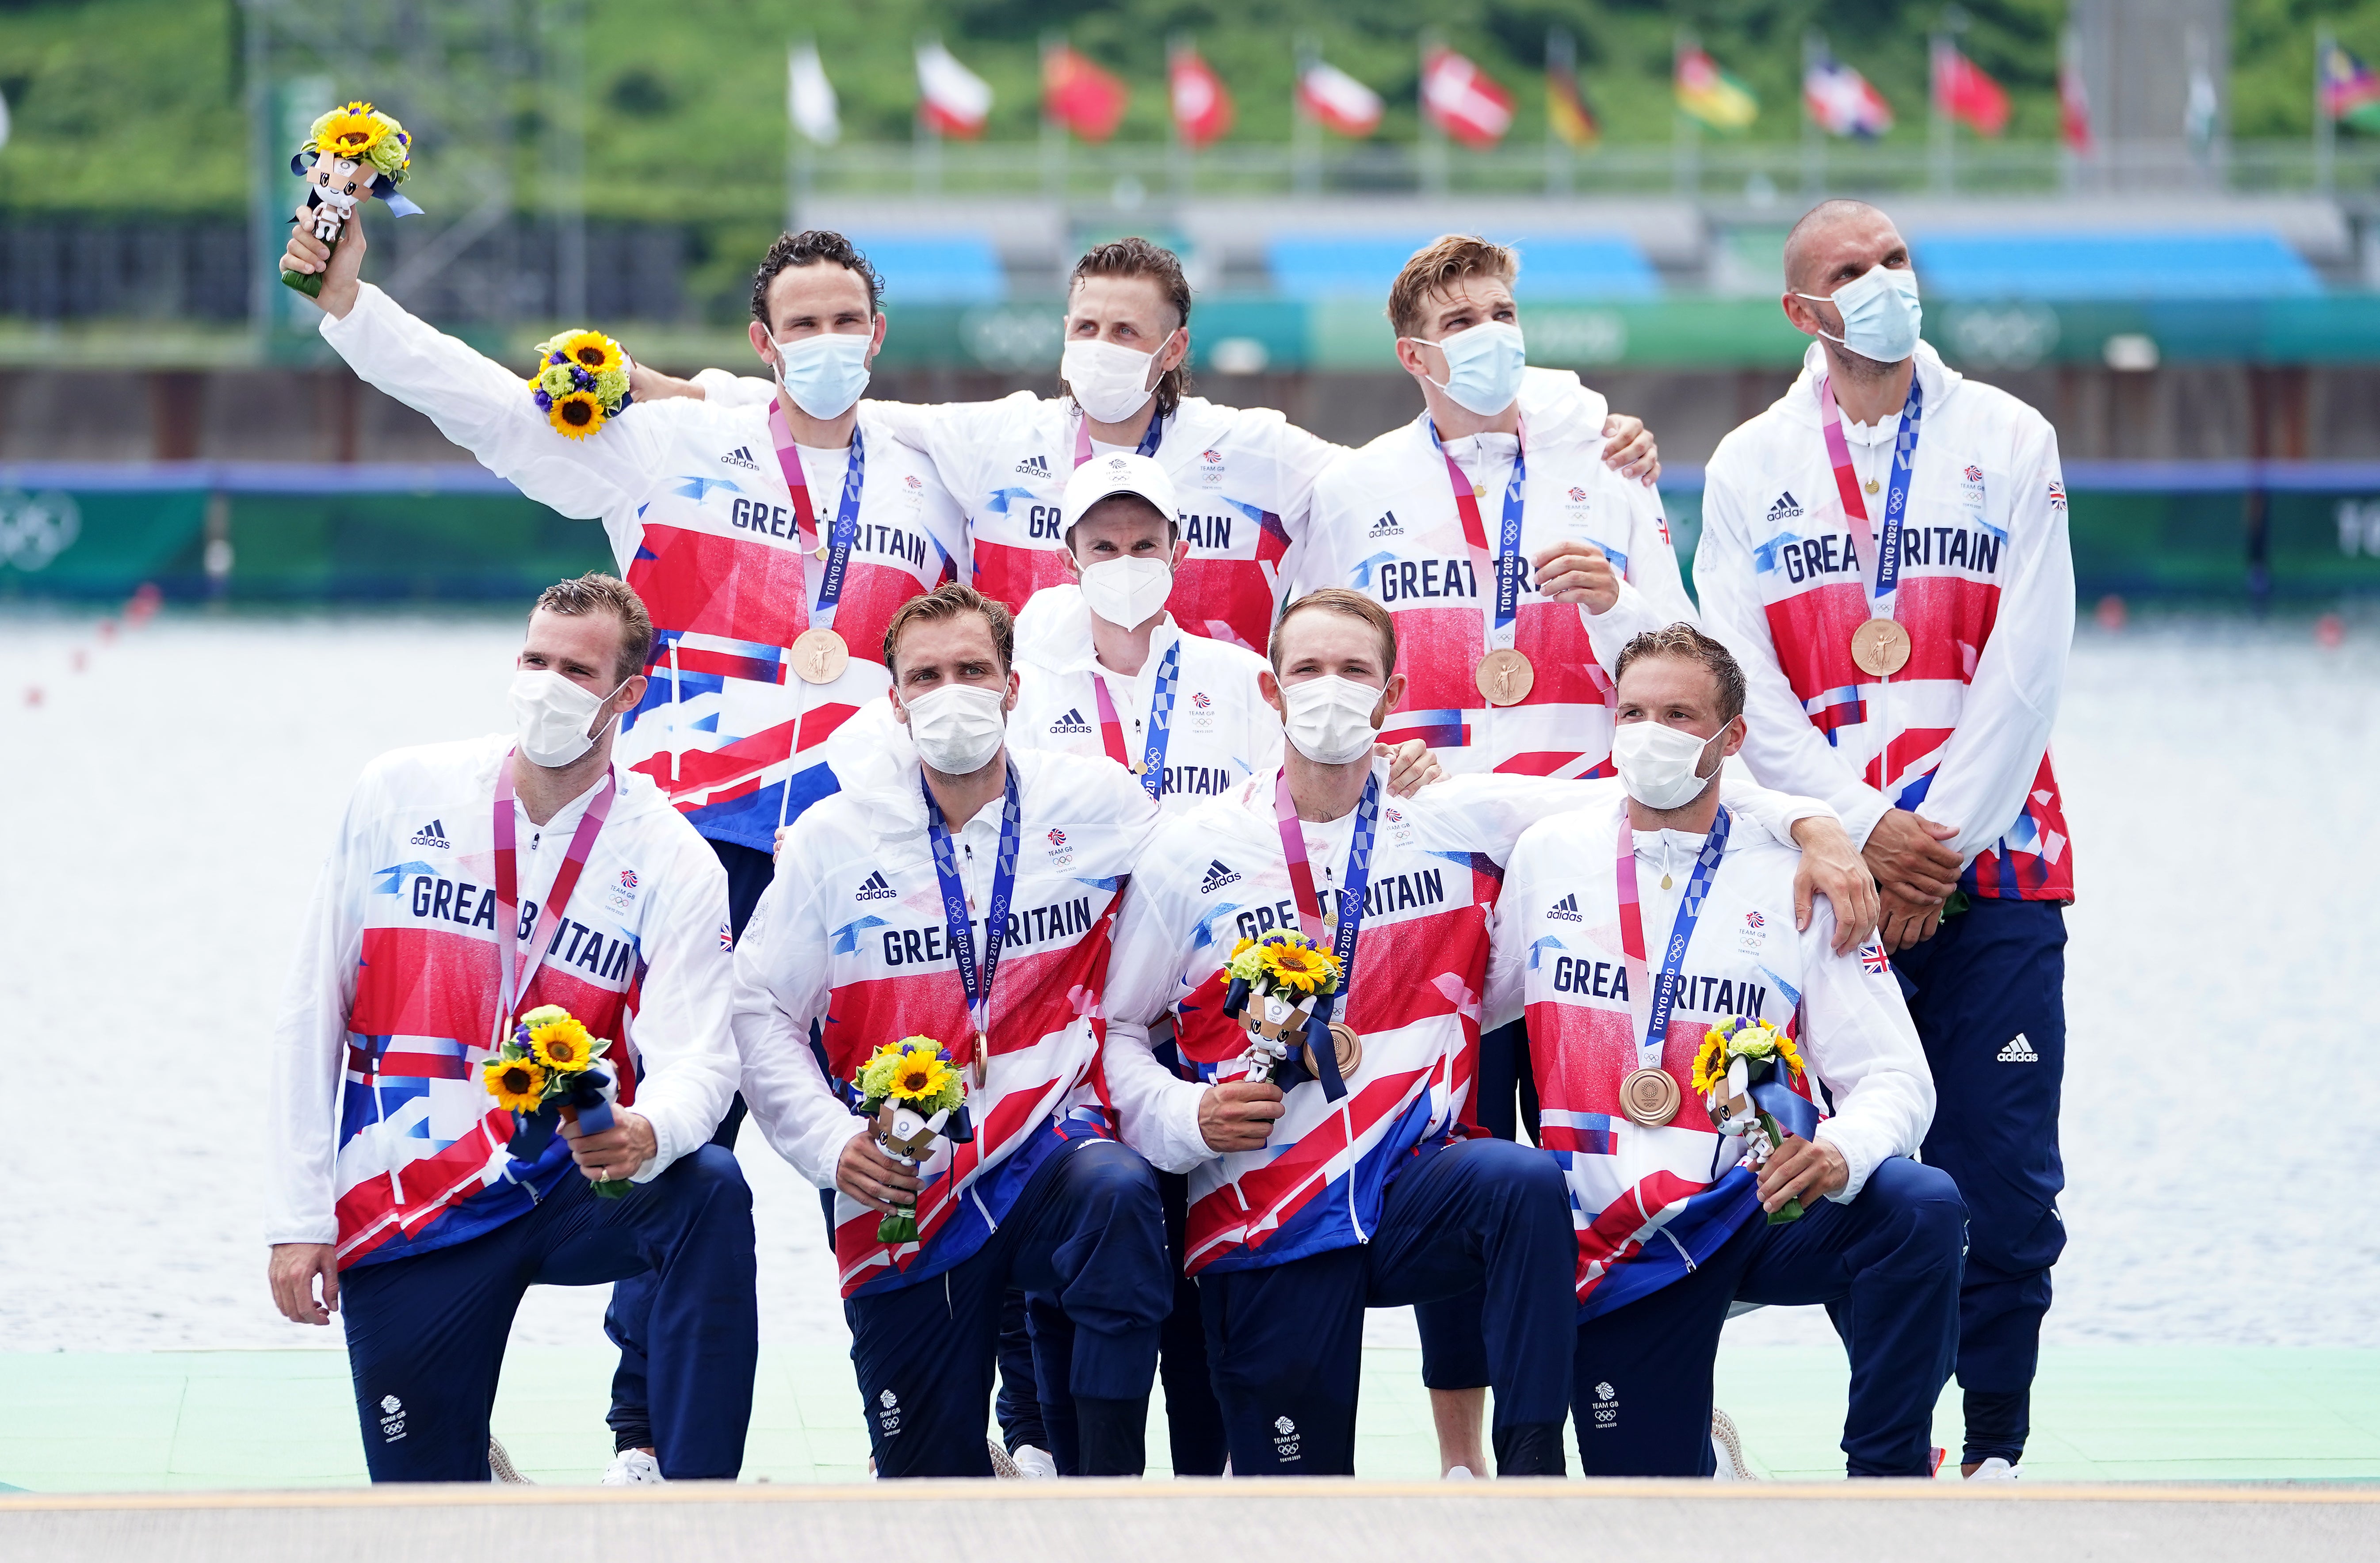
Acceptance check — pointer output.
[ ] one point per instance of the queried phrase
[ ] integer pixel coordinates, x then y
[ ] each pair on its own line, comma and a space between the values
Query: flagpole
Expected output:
801, 174
1561, 56
2070, 69
2325, 132
1945, 130
1053, 134
1685, 151
1177, 152
1304, 134
926, 165
1813, 144
1432, 146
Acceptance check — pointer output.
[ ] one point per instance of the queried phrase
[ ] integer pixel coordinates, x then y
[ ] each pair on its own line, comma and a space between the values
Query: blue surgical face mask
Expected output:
1483, 367
824, 374
1880, 313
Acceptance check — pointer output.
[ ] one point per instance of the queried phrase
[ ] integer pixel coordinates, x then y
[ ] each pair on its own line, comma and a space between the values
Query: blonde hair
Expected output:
1439, 263
1338, 599
596, 592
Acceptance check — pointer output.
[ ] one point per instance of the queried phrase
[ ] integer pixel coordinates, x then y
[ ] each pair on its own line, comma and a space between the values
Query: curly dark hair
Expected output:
1138, 257
805, 249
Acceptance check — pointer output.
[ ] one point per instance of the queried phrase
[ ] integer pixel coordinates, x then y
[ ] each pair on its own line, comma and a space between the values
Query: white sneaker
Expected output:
1726, 1445
1994, 1470
1035, 1465
1460, 1474
634, 1467
500, 1464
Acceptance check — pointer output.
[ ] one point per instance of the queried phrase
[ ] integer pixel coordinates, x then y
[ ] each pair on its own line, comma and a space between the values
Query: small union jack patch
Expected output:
1872, 959
726, 936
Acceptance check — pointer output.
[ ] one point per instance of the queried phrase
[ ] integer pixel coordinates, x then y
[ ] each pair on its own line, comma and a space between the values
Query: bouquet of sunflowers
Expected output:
1734, 1059
545, 1072
351, 154
915, 1094
581, 382
1275, 981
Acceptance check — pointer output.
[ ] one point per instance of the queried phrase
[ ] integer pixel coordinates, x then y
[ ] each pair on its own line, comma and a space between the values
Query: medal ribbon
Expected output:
1895, 496
1148, 441
1160, 721
513, 984
1507, 561
956, 925
1309, 910
846, 532
1660, 996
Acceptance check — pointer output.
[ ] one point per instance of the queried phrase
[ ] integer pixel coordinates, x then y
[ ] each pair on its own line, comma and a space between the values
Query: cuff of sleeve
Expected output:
1861, 815
665, 1151
826, 1151
1185, 1147
1858, 1160
338, 328
322, 1231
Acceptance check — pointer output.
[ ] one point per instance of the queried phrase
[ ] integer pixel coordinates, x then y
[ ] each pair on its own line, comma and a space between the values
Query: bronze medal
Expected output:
982, 1058
1880, 646
1348, 1044
1505, 677
1649, 1098
819, 656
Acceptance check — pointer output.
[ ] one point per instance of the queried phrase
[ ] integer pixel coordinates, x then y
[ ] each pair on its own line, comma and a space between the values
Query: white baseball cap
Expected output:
1126, 472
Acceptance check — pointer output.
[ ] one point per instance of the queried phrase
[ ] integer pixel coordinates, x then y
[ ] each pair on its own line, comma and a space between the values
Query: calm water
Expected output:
164, 813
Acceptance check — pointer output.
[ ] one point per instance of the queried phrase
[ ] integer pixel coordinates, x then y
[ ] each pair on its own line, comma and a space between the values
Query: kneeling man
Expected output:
415, 1180
1632, 930
970, 901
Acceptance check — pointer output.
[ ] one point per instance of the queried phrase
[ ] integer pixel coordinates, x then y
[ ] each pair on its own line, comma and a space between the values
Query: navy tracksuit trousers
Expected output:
1988, 995
1087, 1232
426, 1333
1286, 1341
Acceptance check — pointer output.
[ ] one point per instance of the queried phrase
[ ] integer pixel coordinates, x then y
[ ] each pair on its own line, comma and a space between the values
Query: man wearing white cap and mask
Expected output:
969, 899
1885, 549
1340, 1176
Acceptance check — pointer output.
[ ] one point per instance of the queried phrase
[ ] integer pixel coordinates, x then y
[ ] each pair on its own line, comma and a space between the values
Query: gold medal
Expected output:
1505, 677
1880, 646
819, 656
1348, 1044
1649, 1098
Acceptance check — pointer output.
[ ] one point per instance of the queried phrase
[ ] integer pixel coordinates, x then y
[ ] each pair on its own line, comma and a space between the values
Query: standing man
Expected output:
773, 542
1357, 1186
971, 901
1630, 929
1244, 476
1886, 551
473, 883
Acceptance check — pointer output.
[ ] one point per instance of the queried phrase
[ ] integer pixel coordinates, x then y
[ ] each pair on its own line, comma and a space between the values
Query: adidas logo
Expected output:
875, 890
1218, 876
1565, 910
1784, 509
431, 834
2019, 1051
1386, 527
741, 457
1034, 466
1070, 722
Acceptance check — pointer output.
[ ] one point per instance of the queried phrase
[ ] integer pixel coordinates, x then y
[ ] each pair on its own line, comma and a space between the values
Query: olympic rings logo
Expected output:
36, 530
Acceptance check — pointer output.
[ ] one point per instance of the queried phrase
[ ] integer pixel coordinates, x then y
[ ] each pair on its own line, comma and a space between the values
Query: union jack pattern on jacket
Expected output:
850, 938
1650, 1203
1386, 524
392, 1006
1987, 594
703, 525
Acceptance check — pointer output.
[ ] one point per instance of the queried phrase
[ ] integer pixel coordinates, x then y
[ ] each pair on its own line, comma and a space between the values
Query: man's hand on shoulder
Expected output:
1238, 1115
1629, 448
648, 384
618, 1152
292, 1270
1831, 867
1411, 765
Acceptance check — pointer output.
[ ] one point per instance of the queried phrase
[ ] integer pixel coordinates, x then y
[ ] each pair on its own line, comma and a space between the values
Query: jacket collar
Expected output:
1800, 404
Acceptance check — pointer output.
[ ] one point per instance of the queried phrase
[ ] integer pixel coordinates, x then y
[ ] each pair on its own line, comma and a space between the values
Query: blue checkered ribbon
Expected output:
1896, 500
956, 924
1682, 933
1160, 721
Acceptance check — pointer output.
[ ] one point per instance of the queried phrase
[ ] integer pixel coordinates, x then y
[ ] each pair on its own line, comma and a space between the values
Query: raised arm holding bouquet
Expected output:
353, 153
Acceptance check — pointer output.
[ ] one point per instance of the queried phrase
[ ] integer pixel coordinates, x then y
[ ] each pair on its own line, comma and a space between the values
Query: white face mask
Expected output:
1330, 718
1109, 383
1880, 313
1661, 767
1127, 591
824, 374
552, 717
1483, 366
957, 728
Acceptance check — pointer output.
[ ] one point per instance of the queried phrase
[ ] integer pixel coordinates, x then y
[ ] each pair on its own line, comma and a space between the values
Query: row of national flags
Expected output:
1468, 105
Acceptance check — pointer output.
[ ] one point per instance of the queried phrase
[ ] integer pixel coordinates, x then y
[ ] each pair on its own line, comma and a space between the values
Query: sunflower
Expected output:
1299, 967
351, 131
1711, 1063
921, 1076
563, 1046
575, 415
518, 1084
1785, 1050
592, 350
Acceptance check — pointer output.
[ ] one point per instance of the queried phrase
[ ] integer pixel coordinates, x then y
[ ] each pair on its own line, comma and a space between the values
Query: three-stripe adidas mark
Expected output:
2019, 1051
1034, 466
1565, 910
431, 835
875, 890
1217, 875
741, 457
1070, 722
